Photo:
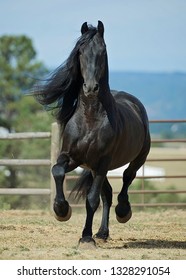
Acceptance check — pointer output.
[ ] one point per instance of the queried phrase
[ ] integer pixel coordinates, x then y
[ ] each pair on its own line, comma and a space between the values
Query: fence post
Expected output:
56, 141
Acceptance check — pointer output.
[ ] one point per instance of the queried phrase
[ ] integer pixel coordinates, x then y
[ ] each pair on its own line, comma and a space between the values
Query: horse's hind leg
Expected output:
61, 206
123, 209
106, 195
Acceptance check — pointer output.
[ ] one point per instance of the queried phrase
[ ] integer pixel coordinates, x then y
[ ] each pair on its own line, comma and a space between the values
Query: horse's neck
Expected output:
90, 106
98, 107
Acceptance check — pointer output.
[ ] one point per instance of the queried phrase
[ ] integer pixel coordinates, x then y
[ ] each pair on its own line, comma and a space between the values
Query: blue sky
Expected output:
141, 35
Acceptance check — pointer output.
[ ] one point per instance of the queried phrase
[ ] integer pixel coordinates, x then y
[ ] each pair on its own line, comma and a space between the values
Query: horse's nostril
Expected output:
96, 87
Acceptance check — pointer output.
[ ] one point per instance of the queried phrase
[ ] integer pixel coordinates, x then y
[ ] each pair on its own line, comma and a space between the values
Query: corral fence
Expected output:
54, 135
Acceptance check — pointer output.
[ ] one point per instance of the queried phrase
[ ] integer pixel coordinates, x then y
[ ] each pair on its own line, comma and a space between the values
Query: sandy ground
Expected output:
148, 235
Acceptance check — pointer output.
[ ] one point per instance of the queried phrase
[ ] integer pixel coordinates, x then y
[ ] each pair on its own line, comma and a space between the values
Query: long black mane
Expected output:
60, 92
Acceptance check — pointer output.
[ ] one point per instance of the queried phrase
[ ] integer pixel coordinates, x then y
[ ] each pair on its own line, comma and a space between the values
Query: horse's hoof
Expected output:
124, 219
64, 218
87, 242
123, 212
103, 235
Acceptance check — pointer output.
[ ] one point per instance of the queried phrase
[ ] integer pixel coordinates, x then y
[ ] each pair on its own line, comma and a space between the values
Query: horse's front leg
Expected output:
106, 195
92, 203
61, 207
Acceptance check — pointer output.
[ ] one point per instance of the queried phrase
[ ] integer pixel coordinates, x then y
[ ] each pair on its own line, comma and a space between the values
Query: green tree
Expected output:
18, 66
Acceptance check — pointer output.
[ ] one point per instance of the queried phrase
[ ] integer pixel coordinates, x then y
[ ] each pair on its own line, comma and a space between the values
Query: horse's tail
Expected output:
83, 185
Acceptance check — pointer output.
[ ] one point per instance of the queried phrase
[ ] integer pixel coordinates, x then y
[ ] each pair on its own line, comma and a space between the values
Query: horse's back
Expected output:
127, 102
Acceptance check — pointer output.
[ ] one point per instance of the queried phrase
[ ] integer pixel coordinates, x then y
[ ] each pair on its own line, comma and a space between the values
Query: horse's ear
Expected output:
84, 28
100, 28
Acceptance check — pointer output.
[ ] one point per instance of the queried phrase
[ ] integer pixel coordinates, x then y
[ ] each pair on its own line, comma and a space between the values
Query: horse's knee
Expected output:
58, 171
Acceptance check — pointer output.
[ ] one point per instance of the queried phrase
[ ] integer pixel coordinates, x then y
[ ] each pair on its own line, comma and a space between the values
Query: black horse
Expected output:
102, 130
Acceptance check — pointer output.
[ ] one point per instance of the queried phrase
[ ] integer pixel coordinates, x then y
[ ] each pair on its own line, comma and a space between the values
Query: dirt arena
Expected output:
153, 234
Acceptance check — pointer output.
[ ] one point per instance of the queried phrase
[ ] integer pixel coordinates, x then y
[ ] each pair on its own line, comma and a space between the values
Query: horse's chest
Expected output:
89, 145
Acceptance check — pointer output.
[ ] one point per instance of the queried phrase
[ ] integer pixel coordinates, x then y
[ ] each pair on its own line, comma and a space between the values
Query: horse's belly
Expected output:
126, 151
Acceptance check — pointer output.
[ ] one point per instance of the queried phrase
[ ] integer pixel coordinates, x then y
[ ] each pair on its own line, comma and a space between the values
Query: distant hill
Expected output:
163, 94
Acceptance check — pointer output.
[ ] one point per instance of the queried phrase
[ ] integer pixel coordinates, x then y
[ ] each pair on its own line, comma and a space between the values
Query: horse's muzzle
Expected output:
90, 88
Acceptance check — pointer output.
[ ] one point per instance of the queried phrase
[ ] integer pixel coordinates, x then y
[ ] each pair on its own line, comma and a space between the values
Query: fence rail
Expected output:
54, 135
25, 135
23, 191
25, 162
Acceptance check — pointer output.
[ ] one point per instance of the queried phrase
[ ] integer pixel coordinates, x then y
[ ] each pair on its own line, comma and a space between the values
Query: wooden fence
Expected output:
54, 135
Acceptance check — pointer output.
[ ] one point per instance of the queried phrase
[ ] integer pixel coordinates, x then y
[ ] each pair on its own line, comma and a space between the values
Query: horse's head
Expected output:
93, 59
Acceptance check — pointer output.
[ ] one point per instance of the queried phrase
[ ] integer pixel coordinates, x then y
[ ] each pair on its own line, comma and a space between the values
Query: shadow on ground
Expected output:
143, 243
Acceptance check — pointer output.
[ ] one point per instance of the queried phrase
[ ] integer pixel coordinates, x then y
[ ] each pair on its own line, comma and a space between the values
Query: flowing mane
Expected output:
60, 92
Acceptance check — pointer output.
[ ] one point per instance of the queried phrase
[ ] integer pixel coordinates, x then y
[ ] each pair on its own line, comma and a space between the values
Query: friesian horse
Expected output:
101, 129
